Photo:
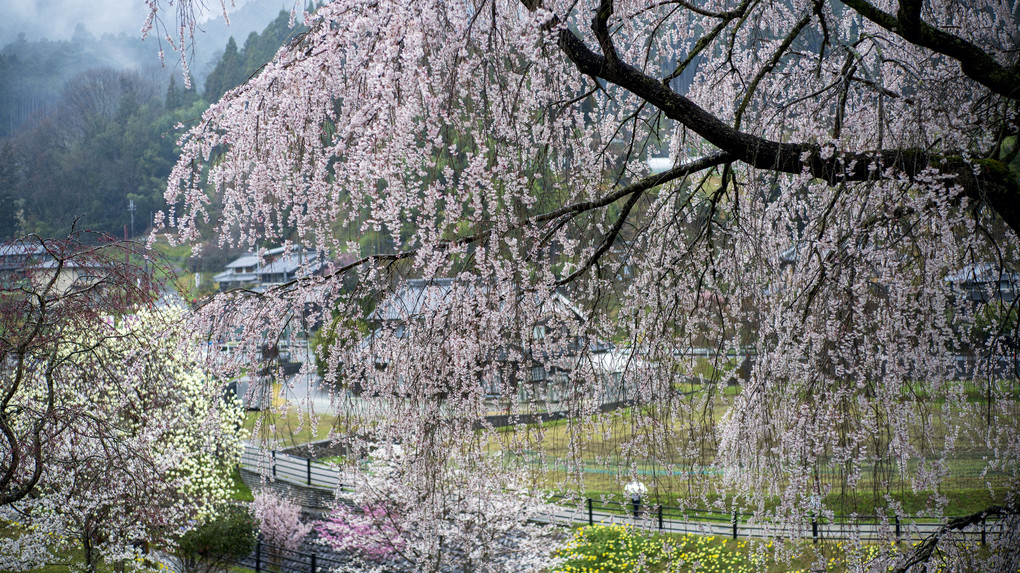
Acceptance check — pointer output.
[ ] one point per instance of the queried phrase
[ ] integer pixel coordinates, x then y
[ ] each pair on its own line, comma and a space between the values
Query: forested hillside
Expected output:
34, 73
87, 143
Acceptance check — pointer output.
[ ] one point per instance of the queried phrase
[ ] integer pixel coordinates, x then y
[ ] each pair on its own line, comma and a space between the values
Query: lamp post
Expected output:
635, 490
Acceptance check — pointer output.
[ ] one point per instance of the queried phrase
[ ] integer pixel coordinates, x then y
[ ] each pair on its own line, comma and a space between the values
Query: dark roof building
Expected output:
275, 266
983, 282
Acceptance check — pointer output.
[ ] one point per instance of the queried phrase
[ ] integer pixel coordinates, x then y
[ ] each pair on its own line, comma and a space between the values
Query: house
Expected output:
271, 267
240, 273
72, 275
17, 257
28, 264
983, 282
535, 370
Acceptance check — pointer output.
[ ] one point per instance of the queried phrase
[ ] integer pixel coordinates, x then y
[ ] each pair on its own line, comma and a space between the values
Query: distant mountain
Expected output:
34, 72
57, 20
87, 123
117, 23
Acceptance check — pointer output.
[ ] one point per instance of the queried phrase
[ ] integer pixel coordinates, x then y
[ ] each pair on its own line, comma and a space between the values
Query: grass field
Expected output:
289, 429
596, 457
675, 459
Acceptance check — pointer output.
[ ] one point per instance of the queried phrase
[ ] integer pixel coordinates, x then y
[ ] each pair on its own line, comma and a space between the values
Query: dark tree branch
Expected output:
910, 15
600, 25
560, 216
728, 15
767, 68
699, 47
708, 38
847, 73
994, 185
975, 63
923, 552
607, 242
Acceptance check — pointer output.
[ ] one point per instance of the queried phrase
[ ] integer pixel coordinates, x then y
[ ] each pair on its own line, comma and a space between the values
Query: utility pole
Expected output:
131, 209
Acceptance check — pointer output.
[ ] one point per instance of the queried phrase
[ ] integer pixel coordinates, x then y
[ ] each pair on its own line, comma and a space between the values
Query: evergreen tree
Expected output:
228, 73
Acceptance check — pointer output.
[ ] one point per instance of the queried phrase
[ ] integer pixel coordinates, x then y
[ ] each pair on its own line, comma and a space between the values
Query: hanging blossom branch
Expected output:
463, 143
559, 216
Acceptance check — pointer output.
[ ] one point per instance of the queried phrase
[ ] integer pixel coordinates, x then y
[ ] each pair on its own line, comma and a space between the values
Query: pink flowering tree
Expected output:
829, 189
366, 530
279, 520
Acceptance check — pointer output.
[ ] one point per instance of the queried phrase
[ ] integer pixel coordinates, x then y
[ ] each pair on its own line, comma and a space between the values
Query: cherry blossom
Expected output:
834, 171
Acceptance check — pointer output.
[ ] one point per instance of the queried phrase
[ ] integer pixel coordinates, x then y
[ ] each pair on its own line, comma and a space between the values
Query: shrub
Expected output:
217, 543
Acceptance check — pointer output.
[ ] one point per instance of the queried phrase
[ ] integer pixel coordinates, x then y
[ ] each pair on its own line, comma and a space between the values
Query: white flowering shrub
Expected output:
143, 449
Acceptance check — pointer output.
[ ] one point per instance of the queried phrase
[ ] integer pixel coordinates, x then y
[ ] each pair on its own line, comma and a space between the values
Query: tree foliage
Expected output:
86, 130
111, 433
832, 167
235, 66
36, 71
104, 142
219, 542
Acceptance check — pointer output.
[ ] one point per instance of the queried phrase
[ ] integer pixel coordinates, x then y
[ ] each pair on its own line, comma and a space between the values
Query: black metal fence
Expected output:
293, 469
739, 524
274, 559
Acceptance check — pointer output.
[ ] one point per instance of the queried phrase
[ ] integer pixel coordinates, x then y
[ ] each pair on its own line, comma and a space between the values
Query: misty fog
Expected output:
59, 19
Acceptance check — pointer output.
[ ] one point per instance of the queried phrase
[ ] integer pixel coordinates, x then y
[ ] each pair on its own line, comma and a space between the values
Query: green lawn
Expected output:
289, 428
239, 491
595, 457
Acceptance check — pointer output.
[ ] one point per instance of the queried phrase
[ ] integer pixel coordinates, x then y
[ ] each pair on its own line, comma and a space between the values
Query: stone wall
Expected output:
312, 499
317, 450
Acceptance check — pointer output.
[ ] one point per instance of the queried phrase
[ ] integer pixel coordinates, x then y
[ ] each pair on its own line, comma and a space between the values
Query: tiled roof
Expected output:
419, 295
245, 260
